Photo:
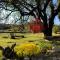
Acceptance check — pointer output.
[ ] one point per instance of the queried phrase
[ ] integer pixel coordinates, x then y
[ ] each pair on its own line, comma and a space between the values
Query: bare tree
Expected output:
37, 8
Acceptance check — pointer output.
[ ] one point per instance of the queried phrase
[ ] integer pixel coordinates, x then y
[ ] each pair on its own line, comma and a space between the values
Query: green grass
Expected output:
37, 38
5, 40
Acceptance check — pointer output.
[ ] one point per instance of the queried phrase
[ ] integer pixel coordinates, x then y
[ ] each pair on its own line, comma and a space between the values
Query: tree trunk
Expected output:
48, 28
45, 29
48, 32
12, 35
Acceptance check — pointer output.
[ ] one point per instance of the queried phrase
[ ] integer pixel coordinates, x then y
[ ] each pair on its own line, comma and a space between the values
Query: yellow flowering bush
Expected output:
27, 49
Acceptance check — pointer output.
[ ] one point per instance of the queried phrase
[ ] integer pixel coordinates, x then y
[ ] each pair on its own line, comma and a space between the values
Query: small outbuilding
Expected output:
36, 26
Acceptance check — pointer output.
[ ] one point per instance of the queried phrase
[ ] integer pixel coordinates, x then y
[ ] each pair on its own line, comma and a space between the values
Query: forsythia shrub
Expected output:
27, 49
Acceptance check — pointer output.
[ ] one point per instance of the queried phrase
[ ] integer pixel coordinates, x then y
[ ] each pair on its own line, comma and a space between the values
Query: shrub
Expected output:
59, 15
27, 49
55, 29
45, 46
31, 49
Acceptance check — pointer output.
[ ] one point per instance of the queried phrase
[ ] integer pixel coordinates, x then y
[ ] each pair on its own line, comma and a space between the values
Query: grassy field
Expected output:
5, 39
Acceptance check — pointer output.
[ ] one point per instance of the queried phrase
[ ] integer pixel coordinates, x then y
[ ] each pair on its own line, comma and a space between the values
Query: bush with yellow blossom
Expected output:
27, 49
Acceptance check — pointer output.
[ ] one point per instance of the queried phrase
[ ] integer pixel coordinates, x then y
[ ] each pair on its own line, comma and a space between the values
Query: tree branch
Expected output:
46, 4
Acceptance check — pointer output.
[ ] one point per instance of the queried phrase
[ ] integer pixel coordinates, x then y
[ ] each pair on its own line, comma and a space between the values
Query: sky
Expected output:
56, 19
14, 16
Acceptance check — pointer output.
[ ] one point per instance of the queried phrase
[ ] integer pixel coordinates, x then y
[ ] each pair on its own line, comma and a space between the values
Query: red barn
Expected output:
36, 26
